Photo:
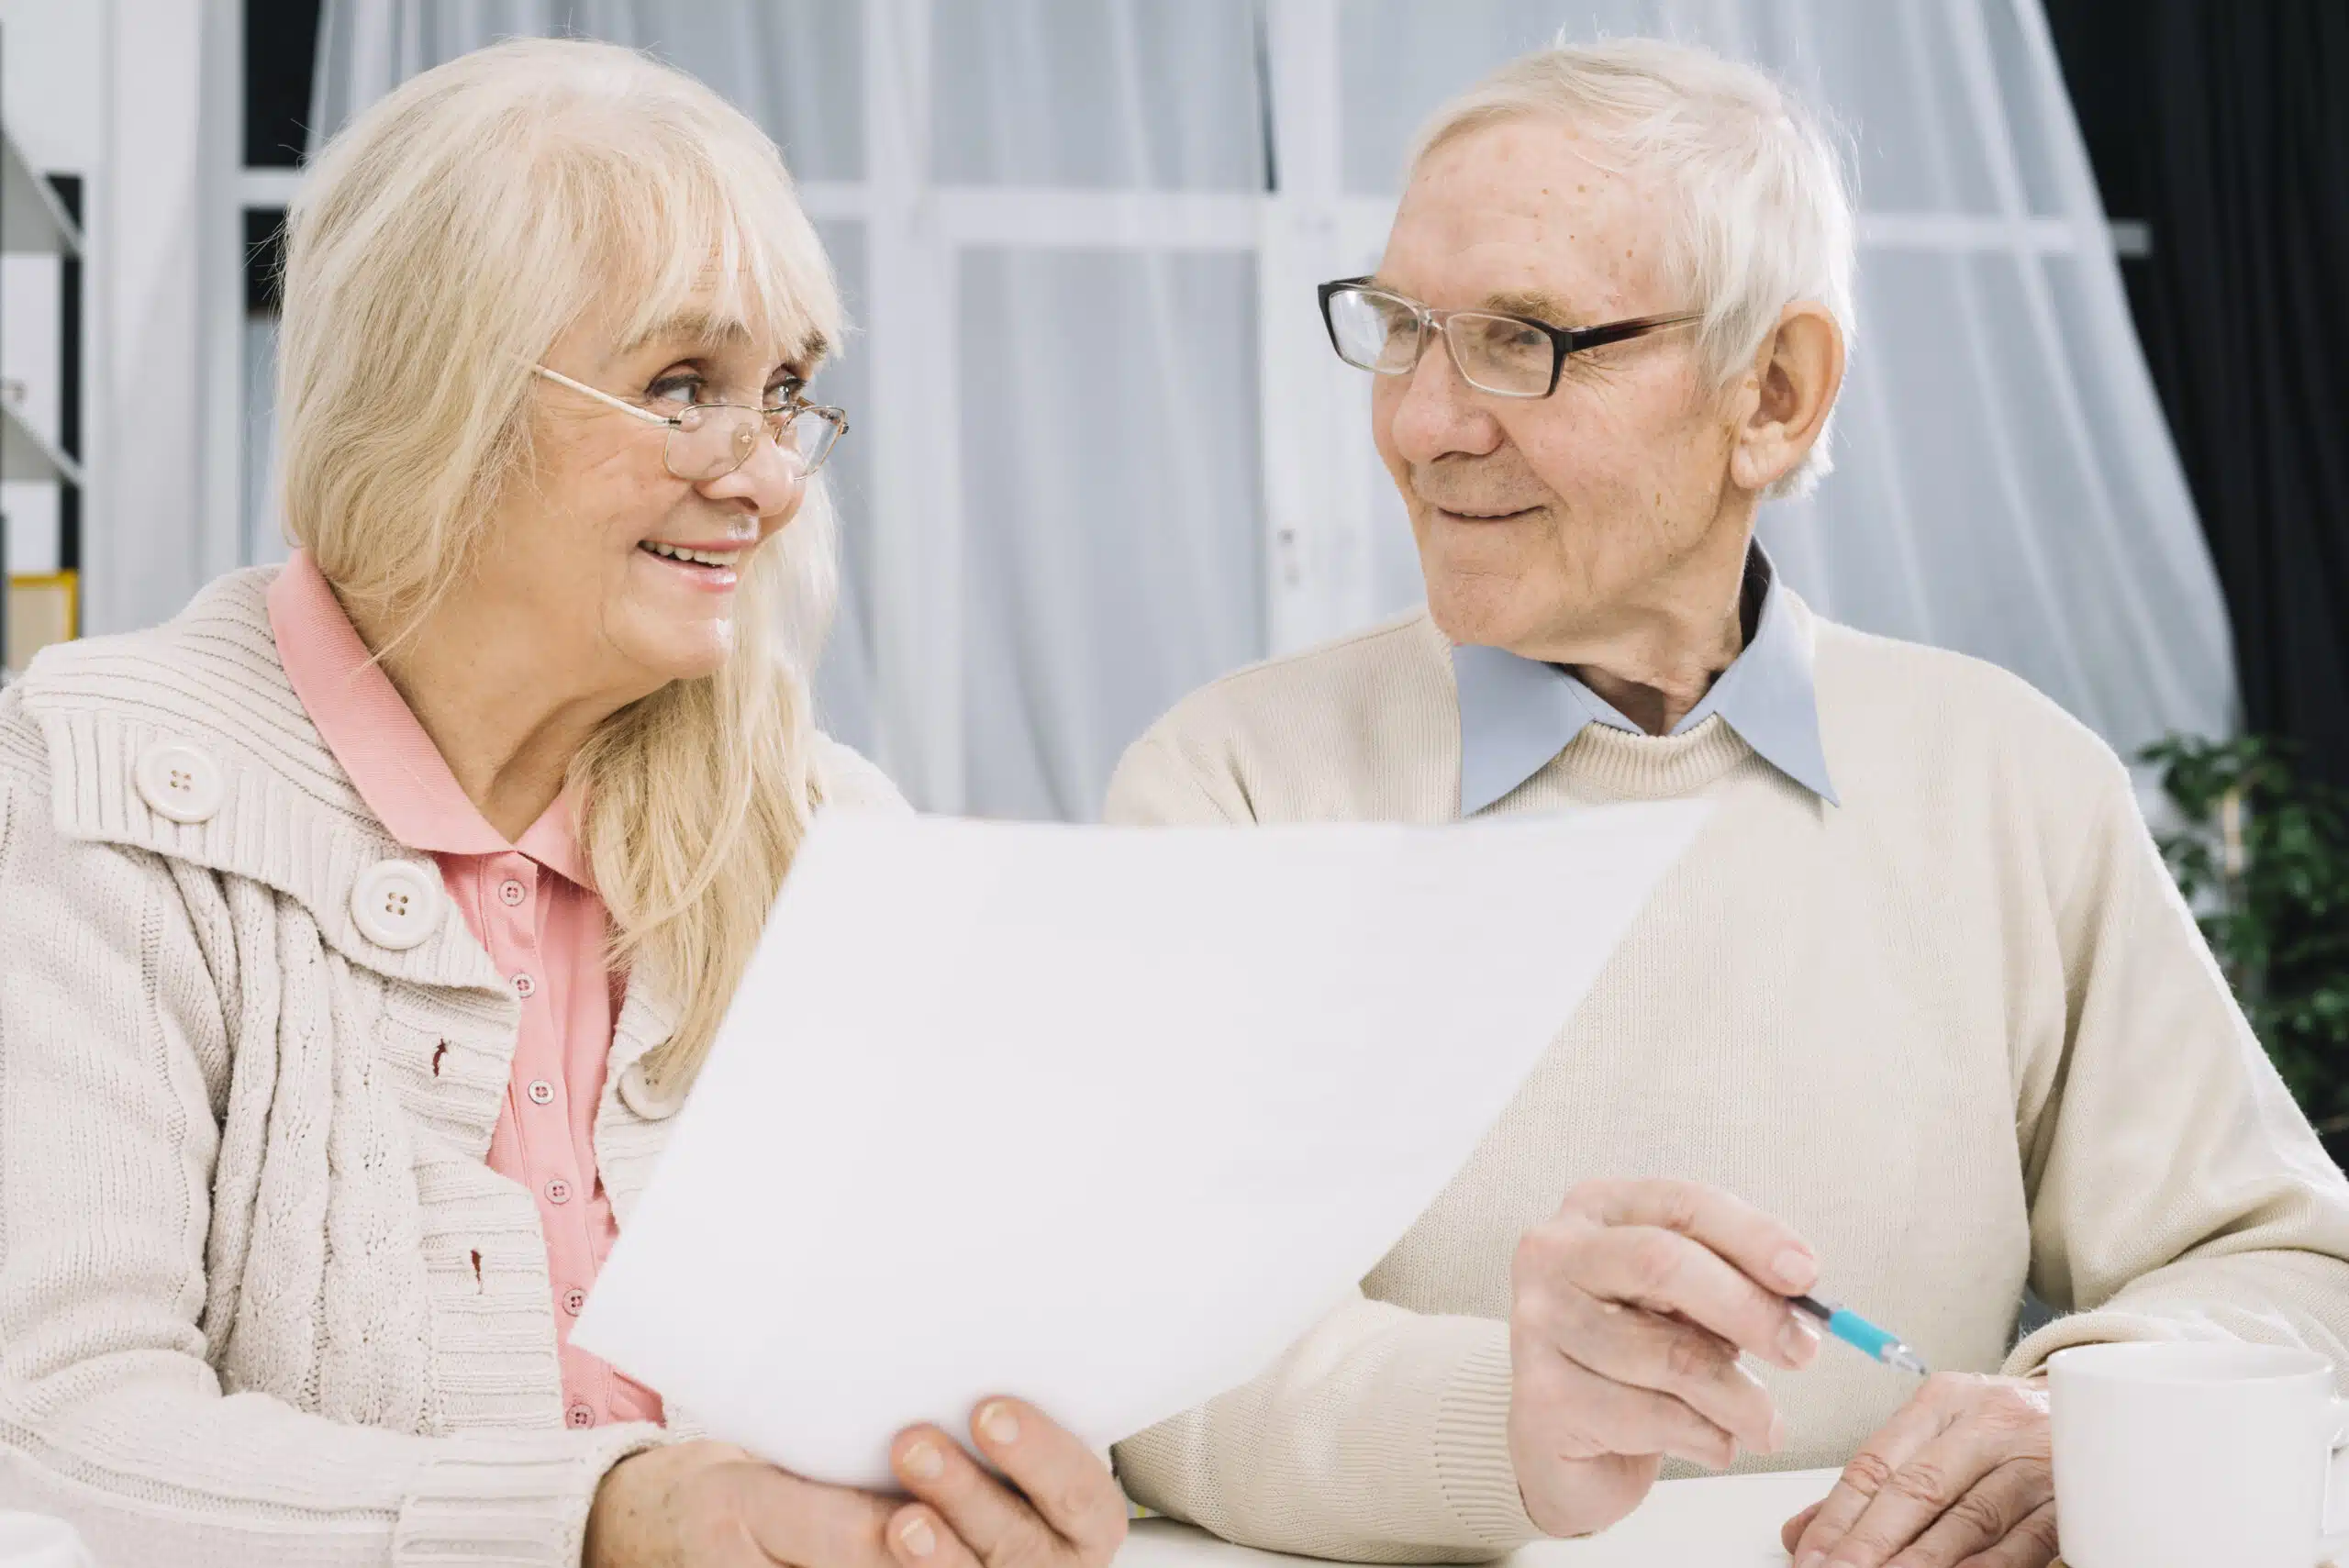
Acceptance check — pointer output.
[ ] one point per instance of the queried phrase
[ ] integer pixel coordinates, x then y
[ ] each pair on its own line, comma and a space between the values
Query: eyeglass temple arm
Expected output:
1575, 340
1572, 341
621, 404
797, 404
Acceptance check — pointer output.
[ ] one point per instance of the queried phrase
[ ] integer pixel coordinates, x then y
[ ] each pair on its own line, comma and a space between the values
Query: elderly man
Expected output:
1920, 1021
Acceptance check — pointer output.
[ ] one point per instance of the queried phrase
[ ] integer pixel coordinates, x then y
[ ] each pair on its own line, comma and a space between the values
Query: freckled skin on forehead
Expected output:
1528, 208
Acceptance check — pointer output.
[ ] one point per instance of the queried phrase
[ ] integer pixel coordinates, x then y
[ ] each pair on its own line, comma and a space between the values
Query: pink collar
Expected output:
391, 761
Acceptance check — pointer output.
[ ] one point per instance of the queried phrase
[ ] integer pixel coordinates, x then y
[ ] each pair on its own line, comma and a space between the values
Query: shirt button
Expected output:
574, 1300
581, 1416
541, 1092
524, 987
512, 892
558, 1191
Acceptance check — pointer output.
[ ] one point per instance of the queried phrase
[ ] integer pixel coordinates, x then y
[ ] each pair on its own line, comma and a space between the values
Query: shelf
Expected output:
43, 609
33, 222
26, 453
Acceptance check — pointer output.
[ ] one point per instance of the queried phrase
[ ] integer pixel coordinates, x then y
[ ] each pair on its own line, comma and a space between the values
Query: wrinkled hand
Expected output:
706, 1504
1068, 1513
1630, 1307
1961, 1475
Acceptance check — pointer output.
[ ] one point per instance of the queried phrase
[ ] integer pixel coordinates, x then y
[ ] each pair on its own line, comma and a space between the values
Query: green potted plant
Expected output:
2264, 858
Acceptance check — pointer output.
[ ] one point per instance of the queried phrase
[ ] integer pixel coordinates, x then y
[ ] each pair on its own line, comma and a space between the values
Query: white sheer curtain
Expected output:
1102, 452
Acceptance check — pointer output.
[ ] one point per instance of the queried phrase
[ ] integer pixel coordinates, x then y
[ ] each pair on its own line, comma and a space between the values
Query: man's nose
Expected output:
1435, 414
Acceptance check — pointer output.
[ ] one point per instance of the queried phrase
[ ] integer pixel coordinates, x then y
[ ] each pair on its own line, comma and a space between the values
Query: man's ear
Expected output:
1797, 372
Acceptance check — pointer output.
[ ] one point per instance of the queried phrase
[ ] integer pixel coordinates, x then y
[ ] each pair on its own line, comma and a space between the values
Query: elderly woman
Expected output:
366, 923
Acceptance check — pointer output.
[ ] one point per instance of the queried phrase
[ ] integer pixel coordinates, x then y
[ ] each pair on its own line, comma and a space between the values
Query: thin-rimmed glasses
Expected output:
1510, 356
710, 441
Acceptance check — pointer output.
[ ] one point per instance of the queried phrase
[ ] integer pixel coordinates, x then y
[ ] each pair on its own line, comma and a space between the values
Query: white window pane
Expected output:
1113, 556
265, 531
1160, 95
845, 683
1397, 60
28, 510
1889, 75
1892, 77
795, 66
2034, 117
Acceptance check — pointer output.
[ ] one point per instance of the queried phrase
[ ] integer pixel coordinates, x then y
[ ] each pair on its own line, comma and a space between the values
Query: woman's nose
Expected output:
770, 479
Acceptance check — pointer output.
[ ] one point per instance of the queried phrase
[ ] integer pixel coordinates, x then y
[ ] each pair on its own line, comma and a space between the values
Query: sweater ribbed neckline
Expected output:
1654, 767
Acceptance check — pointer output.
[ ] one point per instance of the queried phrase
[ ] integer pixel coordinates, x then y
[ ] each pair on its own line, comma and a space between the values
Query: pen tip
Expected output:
1902, 1356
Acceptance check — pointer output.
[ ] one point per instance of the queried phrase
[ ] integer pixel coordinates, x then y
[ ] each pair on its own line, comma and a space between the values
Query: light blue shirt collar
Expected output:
1516, 714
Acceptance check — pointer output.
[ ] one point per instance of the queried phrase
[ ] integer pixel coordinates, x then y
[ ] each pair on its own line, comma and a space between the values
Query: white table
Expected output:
1728, 1521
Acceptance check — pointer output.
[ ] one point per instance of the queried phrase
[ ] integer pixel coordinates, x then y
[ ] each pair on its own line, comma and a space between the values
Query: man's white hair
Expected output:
1765, 213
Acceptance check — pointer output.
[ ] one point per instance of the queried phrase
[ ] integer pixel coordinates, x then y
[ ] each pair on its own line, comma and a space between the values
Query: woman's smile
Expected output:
711, 567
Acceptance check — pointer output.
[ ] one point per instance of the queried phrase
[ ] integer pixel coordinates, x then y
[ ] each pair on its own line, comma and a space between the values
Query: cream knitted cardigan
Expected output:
260, 1298
1959, 1031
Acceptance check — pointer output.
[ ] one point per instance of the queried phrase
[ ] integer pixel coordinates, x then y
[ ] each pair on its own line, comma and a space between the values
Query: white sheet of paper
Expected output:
1100, 1117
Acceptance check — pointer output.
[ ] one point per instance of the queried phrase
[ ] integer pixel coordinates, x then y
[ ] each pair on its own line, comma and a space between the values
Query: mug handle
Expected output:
2334, 1545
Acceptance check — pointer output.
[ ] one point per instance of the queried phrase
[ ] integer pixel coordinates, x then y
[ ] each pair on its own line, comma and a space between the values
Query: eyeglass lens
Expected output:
1383, 333
712, 441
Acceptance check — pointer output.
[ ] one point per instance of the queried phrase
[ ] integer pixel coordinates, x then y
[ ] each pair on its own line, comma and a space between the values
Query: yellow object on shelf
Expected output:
43, 609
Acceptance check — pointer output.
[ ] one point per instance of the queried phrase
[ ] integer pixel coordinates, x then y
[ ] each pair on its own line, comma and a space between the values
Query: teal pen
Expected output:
1857, 1331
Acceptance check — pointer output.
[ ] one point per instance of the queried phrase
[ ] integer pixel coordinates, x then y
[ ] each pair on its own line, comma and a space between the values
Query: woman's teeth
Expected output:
698, 557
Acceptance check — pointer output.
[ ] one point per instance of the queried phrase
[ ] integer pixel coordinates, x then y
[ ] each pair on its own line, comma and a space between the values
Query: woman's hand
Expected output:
1067, 1512
708, 1505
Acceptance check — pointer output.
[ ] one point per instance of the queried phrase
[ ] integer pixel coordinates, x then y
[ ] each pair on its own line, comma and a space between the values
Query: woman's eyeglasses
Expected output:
710, 441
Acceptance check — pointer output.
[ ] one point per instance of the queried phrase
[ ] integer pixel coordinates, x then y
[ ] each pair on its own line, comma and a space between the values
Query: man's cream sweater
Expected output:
1960, 1031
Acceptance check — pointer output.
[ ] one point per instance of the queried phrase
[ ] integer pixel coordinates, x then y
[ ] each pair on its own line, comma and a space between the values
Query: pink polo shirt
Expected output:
529, 905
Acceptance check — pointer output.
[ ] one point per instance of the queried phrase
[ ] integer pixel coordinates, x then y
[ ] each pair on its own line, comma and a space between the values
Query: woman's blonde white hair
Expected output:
1764, 211
443, 242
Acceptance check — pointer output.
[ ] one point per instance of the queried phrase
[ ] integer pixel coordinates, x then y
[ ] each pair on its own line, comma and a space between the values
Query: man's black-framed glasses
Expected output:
1384, 333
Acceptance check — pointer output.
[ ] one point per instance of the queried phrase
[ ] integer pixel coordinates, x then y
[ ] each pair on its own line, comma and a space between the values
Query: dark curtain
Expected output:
2224, 124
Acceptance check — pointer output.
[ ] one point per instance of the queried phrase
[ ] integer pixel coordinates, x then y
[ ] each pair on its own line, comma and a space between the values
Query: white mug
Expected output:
35, 1540
2191, 1453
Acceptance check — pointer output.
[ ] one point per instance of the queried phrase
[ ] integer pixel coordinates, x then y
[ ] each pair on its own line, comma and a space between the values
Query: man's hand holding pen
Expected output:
1633, 1306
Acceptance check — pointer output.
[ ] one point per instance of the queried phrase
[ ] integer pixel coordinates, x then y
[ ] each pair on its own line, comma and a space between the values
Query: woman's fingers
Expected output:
794, 1521
1067, 1508
977, 1509
919, 1538
1064, 1482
